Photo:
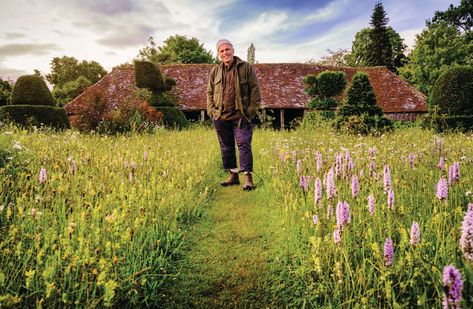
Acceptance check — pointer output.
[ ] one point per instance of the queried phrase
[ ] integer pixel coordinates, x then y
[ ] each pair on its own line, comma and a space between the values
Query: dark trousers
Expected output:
240, 131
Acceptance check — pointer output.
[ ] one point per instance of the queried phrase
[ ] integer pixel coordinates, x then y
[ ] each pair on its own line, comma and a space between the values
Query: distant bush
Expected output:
173, 117
148, 76
443, 123
323, 103
330, 83
31, 90
35, 115
133, 113
452, 93
360, 113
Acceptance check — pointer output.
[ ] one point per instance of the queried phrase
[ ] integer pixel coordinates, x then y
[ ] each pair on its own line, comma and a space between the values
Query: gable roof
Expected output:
281, 86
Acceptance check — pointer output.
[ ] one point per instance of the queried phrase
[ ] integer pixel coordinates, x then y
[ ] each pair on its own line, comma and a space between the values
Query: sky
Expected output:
112, 32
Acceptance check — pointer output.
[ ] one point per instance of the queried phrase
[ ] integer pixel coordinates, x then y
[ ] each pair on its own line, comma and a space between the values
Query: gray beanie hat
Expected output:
223, 41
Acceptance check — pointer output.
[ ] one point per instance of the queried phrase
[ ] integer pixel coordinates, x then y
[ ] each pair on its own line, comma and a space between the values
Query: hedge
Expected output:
173, 117
35, 115
31, 90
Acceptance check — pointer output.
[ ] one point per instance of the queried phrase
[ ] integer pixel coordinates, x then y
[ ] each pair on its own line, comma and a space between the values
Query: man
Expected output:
233, 98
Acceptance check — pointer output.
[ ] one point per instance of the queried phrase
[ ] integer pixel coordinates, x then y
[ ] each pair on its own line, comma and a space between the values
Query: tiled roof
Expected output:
281, 86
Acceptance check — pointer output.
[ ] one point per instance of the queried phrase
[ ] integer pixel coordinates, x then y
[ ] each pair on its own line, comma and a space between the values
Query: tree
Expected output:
251, 54
379, 51
176, 49
70, 90
68, 69
336, 58
460, 17
6, 87
360, 48
437, 48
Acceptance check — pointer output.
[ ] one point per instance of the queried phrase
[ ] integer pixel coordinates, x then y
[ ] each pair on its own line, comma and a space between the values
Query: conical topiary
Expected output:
360, 112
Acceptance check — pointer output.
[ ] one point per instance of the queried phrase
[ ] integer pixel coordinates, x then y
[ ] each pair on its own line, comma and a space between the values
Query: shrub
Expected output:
35, 115
147, 75
452, 93
323, 103
160, 99
173, 117
133, 113
330, 83
443, 123
31, 90
360, 112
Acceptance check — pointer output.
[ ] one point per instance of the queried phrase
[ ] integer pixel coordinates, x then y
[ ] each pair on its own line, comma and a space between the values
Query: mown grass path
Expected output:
227, 254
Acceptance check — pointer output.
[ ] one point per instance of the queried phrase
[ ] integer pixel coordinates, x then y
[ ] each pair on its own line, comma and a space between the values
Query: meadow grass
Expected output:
124, 219
103, 225
319, 272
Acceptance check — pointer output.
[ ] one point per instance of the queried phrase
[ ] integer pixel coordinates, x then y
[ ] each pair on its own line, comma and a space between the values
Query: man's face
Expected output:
225, 53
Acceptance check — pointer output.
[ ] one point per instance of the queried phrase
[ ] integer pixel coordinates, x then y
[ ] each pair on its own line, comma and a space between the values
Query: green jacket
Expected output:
247, 95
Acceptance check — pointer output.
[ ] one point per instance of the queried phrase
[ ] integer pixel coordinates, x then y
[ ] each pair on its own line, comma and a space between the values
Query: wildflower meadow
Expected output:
362, 221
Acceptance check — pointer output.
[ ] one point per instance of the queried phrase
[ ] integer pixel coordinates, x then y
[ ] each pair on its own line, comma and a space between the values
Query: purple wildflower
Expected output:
411, 159
319, 161
73, 167
442, 189
390, 199
330, 184
387, 178
441, 164
371, 150
371, 204
466, 239
42, 175
415, 234
453, 285
336, 236
343, 214
388, 252
318, 191
354, 186
315, 219
304, 184
338, 165
456, 171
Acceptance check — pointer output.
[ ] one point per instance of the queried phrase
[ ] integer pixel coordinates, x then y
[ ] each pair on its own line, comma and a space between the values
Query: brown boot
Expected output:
231, 180
249, 185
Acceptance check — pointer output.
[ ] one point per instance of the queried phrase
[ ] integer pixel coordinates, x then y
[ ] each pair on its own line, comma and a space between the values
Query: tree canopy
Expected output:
5, 91
67, 69
379, 49
445, 42
176, 49
460, 16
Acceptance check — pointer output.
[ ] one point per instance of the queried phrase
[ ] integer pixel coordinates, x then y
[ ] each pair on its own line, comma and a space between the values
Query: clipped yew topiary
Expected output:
33, 105
35, 115
452, 93
360, 113
323, 88
31, 90
148, 76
